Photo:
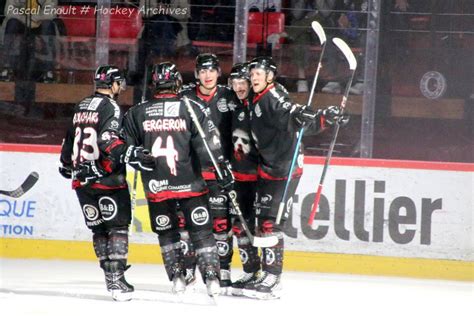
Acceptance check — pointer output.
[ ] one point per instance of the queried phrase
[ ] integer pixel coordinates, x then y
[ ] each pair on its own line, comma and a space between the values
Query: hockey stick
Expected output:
135, 172
29, 182
256, 241
346, 50
318, 29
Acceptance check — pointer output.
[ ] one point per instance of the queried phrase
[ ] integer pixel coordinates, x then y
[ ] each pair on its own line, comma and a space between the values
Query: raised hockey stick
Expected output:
256, 241
29, 182
346, 50
135, 172
318, 29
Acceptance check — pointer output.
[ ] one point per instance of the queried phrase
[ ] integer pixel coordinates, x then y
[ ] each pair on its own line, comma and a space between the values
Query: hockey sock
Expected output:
100, 240
272, 257
117, 246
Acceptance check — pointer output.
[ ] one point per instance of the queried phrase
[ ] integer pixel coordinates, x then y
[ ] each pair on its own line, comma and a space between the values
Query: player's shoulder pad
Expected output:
280, 88
187, 87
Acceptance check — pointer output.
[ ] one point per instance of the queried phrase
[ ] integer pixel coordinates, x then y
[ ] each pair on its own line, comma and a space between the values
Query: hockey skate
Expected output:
225, 282
269, 288
239, 285
115, 281
190, 277
179, 284
212, 284
266, 287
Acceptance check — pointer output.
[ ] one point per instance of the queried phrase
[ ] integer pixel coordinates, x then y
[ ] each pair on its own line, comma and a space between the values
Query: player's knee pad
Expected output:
238, 228
268, 227
220, 225
117, 246
173, 259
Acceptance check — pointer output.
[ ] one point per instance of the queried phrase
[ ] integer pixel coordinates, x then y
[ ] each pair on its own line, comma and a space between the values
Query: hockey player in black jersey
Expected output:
92, 156
274, 124
165, 128
244, 161
216, 100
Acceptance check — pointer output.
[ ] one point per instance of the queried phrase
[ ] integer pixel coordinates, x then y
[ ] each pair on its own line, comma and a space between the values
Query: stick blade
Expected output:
30, 181
319, 31
346, 50
265, 242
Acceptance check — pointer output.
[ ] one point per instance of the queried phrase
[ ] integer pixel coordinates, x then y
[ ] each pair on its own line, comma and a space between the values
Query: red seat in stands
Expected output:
125, 25
78, 22
265, 24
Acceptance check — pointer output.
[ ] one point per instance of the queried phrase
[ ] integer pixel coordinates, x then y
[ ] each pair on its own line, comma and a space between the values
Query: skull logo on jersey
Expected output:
241, 140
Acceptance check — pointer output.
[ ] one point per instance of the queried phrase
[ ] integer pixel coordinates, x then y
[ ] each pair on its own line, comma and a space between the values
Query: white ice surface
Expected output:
70, 288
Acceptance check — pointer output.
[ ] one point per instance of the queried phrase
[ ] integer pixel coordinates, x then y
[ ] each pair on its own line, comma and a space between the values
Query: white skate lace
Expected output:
270, 280
246, 277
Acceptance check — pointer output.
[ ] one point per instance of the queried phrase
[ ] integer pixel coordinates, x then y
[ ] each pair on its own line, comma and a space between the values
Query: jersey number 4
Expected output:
169, 152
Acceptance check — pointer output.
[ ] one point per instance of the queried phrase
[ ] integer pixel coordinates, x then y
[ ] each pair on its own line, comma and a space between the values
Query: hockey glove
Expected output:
333, 114
304, 115
139, 158
65, 171
89, 171
226, 183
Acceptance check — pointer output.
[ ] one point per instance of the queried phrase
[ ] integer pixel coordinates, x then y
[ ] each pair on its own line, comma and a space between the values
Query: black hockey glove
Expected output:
303, 115
65, 171
226, 183
89, 171
333, 114
139, 158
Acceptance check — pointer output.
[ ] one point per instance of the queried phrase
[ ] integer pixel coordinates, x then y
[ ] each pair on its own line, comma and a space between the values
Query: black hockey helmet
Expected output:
106, 75
207, 61
165, 75
264, 62
240, 71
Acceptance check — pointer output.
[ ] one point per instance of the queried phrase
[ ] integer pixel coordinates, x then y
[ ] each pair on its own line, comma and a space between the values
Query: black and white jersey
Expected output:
244, 158
274, 132
217, 106
94, 135
165, 128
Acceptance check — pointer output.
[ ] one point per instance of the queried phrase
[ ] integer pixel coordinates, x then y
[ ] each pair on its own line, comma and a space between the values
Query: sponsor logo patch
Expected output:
200, 216
108, 208
162, 220
172, 109
222, 248
90, 212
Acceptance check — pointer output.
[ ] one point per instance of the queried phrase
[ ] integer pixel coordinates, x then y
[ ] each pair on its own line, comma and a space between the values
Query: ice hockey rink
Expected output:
50, 287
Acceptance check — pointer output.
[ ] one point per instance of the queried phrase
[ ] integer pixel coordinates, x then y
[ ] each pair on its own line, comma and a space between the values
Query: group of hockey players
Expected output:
193, 145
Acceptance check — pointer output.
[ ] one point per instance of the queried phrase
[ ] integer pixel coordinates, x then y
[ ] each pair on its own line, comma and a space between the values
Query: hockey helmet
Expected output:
240, 71
207, 61
106, 75
264, 62
165, 75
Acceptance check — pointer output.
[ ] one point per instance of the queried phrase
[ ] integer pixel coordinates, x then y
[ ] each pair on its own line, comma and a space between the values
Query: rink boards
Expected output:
379, 217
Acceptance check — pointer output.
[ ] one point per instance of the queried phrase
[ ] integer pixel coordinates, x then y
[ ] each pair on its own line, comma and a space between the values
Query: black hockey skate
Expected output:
247, 278
269, 288
115, 281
